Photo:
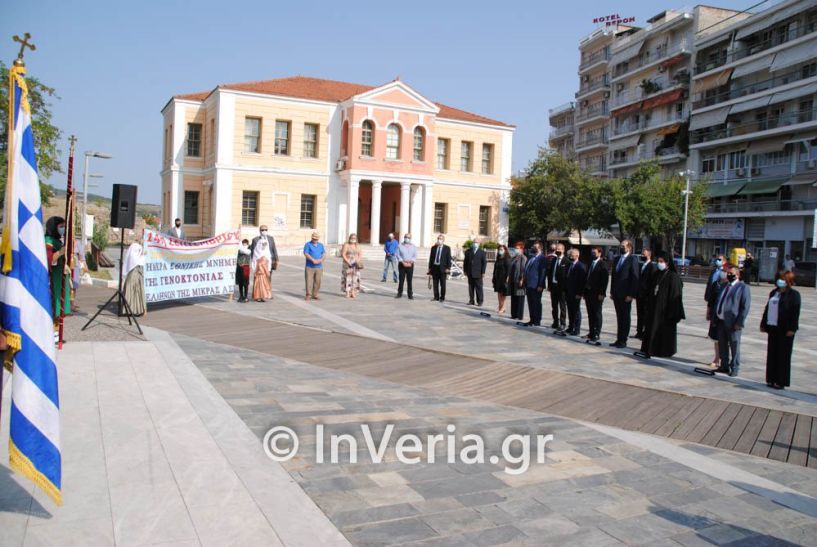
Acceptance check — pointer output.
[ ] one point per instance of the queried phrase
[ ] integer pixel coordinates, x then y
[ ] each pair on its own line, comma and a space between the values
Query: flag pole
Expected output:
69, 241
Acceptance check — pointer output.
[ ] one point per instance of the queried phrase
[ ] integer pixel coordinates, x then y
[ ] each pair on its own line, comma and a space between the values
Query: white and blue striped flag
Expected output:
25, 308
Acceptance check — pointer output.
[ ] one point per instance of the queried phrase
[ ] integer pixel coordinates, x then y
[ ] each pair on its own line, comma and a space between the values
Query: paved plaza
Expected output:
161, 433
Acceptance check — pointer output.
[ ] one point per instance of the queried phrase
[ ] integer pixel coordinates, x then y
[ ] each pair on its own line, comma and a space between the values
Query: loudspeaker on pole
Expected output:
123, 206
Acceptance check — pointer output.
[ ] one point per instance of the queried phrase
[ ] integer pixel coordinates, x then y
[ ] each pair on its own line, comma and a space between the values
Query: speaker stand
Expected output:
122, 300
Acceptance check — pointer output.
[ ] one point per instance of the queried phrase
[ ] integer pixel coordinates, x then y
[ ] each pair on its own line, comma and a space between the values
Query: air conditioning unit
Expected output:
741, 172
340, 165
812, 164
755, 171
662, 69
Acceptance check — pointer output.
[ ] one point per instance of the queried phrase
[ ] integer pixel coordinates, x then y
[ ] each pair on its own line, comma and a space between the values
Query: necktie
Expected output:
723, 299
620, 262
439, 251
555, 268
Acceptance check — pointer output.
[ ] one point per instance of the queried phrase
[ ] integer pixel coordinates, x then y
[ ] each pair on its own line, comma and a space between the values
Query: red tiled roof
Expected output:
318, 89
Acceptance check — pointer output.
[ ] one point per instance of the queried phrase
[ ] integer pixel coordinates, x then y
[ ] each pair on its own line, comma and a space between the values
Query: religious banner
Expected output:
177, 269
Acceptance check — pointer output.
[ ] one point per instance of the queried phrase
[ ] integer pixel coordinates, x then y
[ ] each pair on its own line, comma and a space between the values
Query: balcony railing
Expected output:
753, 49
637, 93
594, 166
593, 112
593, 58
591, 140
589, 87
746, 128
562, 108
761, 206
701, 100
556, 132
654, 121
651, 57
645, 155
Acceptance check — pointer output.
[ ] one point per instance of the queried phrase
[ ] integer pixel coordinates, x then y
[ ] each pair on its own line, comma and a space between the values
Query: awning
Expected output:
762, 187
796, 180
761, 21
745, 106
588, 237
635, 107
672, 61
666, 98
671, 130
794, 56
627, 142
767, 146
722, 190
795, 93
709, 118
712, 81
803, 138
753, 66
626, 54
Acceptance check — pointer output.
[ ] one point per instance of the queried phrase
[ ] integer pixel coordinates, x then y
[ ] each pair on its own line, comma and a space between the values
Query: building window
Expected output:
282, 129
737, 159
308, 211
419, 144
252, 135
249, 208
194, 140
806, 113
191, 207
367, 139
487, 159
393, 142
465, 156
443, 146
708, 165
809, 70
310, 140
484, 220
440, 210
211, 137
167, 146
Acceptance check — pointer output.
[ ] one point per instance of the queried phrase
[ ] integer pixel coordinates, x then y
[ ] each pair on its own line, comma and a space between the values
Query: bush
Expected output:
100, 235
90, 261
486, 245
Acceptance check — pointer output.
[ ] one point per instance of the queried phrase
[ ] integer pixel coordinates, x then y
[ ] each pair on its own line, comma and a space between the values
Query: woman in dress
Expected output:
59, 271
780, 321
134, 287
516, 281
352, 264
242, 270
502, 268
261, 260
664, 310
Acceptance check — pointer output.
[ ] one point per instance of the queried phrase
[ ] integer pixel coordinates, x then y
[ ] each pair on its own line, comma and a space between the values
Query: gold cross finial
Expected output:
24, 43
73, 140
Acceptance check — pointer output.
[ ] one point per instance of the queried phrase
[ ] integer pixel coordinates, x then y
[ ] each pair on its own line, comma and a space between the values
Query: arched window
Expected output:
367, 138
393, 142
419, 144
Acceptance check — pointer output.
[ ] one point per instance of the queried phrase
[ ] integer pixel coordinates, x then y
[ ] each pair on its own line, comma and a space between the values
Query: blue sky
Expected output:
115, 64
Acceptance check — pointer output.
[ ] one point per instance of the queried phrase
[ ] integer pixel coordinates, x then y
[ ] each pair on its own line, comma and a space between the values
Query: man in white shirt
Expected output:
176, 230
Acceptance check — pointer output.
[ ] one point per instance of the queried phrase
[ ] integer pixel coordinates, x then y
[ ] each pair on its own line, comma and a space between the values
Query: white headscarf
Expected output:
261, 249
134, 257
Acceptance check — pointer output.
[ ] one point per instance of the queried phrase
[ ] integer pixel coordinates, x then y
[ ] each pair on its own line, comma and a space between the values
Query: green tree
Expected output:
46, 134
531, 200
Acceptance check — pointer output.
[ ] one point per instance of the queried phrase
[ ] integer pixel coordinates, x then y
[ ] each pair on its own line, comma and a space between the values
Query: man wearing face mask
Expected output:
556, 271
731, 309
390, 250
645, 280
474, 267
439, 266
575, 281
264, 233
597, 279
535, 276
623, 290
406, 257
176, 230
716, 278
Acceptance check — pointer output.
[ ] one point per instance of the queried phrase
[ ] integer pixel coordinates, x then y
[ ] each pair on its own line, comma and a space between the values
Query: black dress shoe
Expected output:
399, 296
442, 300
733, 372
722, 370
471, 303
436, 300
411, 297
613, 344
554, 326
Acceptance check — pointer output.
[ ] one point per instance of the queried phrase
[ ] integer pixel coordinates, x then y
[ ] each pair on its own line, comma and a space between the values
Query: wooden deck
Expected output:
783, 436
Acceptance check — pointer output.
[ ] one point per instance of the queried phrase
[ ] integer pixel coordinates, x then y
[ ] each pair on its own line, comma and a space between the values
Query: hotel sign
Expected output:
613, 20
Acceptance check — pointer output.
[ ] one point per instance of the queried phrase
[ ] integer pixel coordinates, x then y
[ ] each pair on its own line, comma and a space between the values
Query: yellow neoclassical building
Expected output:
301, 154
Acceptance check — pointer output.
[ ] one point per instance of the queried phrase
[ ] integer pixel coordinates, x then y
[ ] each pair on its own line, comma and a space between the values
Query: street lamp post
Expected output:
686, 174
85, 175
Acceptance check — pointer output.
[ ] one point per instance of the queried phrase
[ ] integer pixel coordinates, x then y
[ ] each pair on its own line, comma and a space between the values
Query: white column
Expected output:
223, 209
351, 224
502, 235
428, 215
405, 197
377, 186
416, 214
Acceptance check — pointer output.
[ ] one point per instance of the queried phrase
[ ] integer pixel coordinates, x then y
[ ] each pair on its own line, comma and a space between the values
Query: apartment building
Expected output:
562, 129
301, 154
753, 133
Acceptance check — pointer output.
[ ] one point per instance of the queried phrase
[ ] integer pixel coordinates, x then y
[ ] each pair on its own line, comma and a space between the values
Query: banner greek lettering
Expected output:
177, 269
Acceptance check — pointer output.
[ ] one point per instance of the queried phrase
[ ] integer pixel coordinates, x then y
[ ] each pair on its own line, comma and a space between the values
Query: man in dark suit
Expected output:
731, 309
594, 292
557, 268
535, 272
623, 290
474, 266
439, 266
575, 282
648, 268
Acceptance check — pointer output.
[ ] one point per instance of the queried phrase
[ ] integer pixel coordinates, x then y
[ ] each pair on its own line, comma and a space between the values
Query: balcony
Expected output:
638, 93
561, 109
753, 49
559, 132
684, 47
656, 120
661, 154
595, 111
767, 206
702, 101
599, 56
746, 128
591, 87
597, 164
591, 141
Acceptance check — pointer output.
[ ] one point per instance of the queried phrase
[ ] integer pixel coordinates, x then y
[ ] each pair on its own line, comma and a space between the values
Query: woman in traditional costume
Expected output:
261, 260
59, 271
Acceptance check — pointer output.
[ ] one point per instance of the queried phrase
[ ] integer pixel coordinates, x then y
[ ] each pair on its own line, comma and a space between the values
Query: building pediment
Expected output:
395, 94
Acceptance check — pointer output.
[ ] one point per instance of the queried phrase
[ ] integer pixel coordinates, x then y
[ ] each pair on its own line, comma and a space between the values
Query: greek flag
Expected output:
25, 308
